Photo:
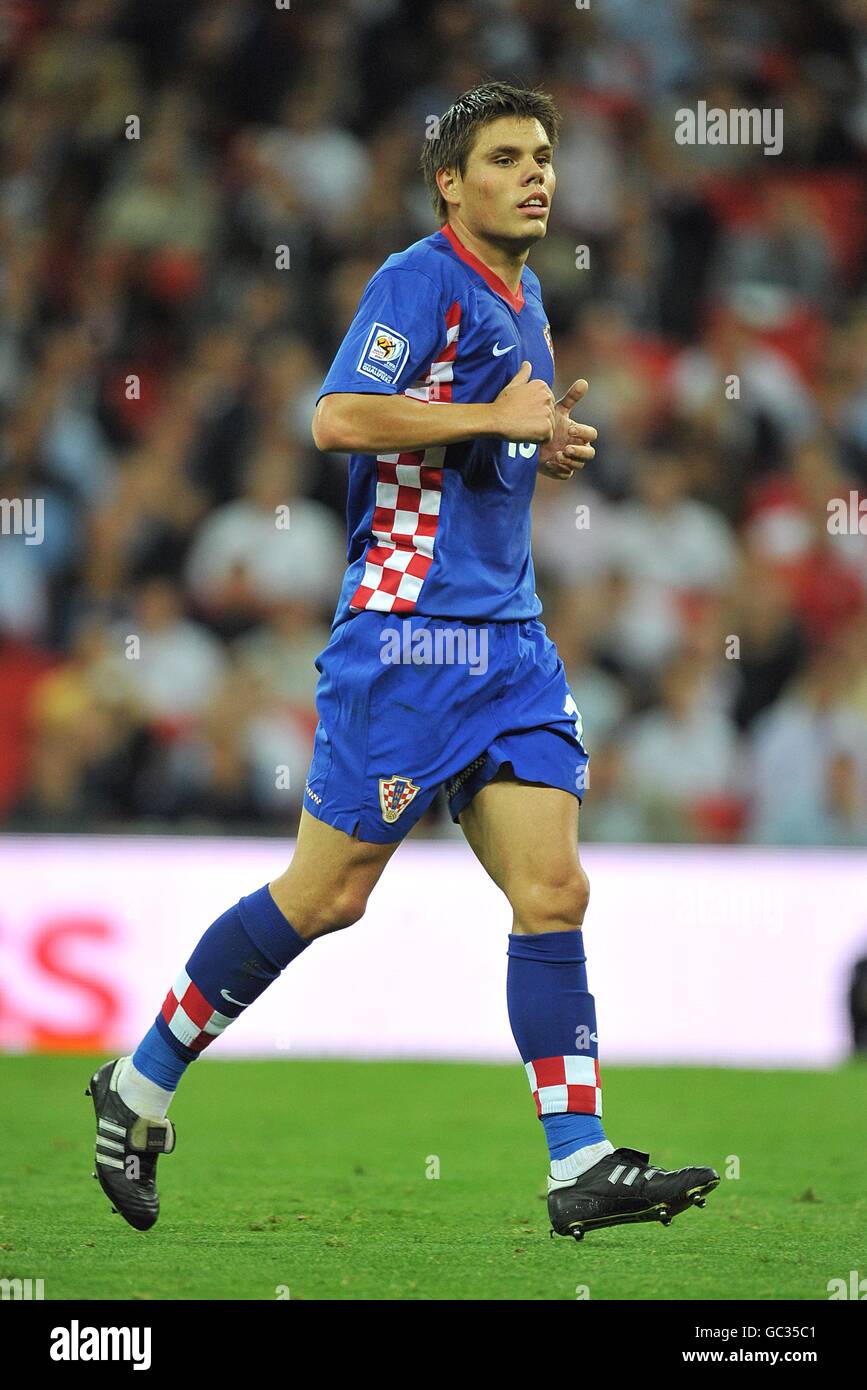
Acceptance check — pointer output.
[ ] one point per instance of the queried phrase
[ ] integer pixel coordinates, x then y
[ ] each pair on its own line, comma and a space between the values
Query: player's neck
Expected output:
504, 263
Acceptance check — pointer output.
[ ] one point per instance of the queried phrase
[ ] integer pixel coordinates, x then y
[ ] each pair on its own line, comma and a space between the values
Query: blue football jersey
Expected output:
442, 532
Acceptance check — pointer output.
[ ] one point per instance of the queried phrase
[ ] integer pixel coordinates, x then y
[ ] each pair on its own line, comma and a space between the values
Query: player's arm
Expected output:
361, 423
401, 326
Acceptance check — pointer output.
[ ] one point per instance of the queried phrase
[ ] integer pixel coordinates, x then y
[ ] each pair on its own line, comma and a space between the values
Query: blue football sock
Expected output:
553, 1018
238, 957
567, 1133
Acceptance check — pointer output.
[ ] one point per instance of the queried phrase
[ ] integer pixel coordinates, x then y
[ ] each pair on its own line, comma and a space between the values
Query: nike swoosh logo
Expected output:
502, 350
226, 995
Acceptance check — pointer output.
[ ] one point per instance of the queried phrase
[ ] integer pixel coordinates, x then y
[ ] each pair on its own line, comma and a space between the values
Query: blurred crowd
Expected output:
192, 198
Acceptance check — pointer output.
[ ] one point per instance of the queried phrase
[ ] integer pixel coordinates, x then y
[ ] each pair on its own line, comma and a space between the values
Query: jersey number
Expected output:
570, 707
525, 450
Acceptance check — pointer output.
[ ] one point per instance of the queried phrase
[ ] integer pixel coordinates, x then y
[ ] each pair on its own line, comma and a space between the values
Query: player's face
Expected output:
509, 164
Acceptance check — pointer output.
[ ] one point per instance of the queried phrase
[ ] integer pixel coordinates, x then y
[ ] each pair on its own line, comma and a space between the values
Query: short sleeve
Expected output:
397, 331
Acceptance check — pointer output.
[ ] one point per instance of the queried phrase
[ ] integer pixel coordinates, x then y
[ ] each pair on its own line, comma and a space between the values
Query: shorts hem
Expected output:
351, 821
494, 759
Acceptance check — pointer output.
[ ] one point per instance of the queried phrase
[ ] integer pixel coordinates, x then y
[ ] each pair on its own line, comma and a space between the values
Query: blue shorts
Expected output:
411, 704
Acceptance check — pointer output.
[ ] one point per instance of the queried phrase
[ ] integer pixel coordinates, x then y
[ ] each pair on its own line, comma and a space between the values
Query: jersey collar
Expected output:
497, 285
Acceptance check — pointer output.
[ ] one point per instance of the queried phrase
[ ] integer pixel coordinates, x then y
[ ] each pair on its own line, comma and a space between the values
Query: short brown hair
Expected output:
477, 107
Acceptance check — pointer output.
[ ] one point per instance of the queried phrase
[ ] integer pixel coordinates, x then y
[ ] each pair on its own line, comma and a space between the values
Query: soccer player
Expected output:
441, 395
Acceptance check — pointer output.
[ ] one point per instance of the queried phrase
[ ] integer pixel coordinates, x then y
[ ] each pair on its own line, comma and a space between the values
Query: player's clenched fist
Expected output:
525, 409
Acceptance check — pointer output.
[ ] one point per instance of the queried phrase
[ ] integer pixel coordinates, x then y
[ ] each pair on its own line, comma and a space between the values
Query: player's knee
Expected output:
570, 897
341, 908
314, 909
556, 901
582, 896
348, 906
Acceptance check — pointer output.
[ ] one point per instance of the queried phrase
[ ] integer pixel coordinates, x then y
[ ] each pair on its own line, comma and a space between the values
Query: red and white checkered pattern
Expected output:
395, 794
437, 384
566, 1084
408, 496
191, 1018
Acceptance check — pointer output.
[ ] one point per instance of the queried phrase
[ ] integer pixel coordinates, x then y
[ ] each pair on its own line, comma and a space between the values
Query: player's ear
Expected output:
448, 183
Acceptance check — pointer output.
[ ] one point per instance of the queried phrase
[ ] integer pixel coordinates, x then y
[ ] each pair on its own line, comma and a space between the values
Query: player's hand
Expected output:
570, 445
524, 410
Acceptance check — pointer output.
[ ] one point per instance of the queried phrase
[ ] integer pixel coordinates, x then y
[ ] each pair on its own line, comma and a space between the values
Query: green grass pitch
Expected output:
311, 1177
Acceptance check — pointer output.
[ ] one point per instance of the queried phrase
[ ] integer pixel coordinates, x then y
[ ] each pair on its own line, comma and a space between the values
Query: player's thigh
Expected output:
526, 837
330, 878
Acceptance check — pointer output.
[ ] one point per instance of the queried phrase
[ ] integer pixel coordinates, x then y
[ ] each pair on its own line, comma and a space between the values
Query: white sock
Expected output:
564, 1171
141, 1095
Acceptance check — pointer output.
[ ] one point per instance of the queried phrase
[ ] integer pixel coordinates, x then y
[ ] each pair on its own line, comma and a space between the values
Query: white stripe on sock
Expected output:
144, 1097
566, 1170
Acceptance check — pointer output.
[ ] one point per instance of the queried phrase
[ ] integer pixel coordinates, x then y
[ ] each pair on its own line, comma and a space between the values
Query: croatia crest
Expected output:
395, 794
